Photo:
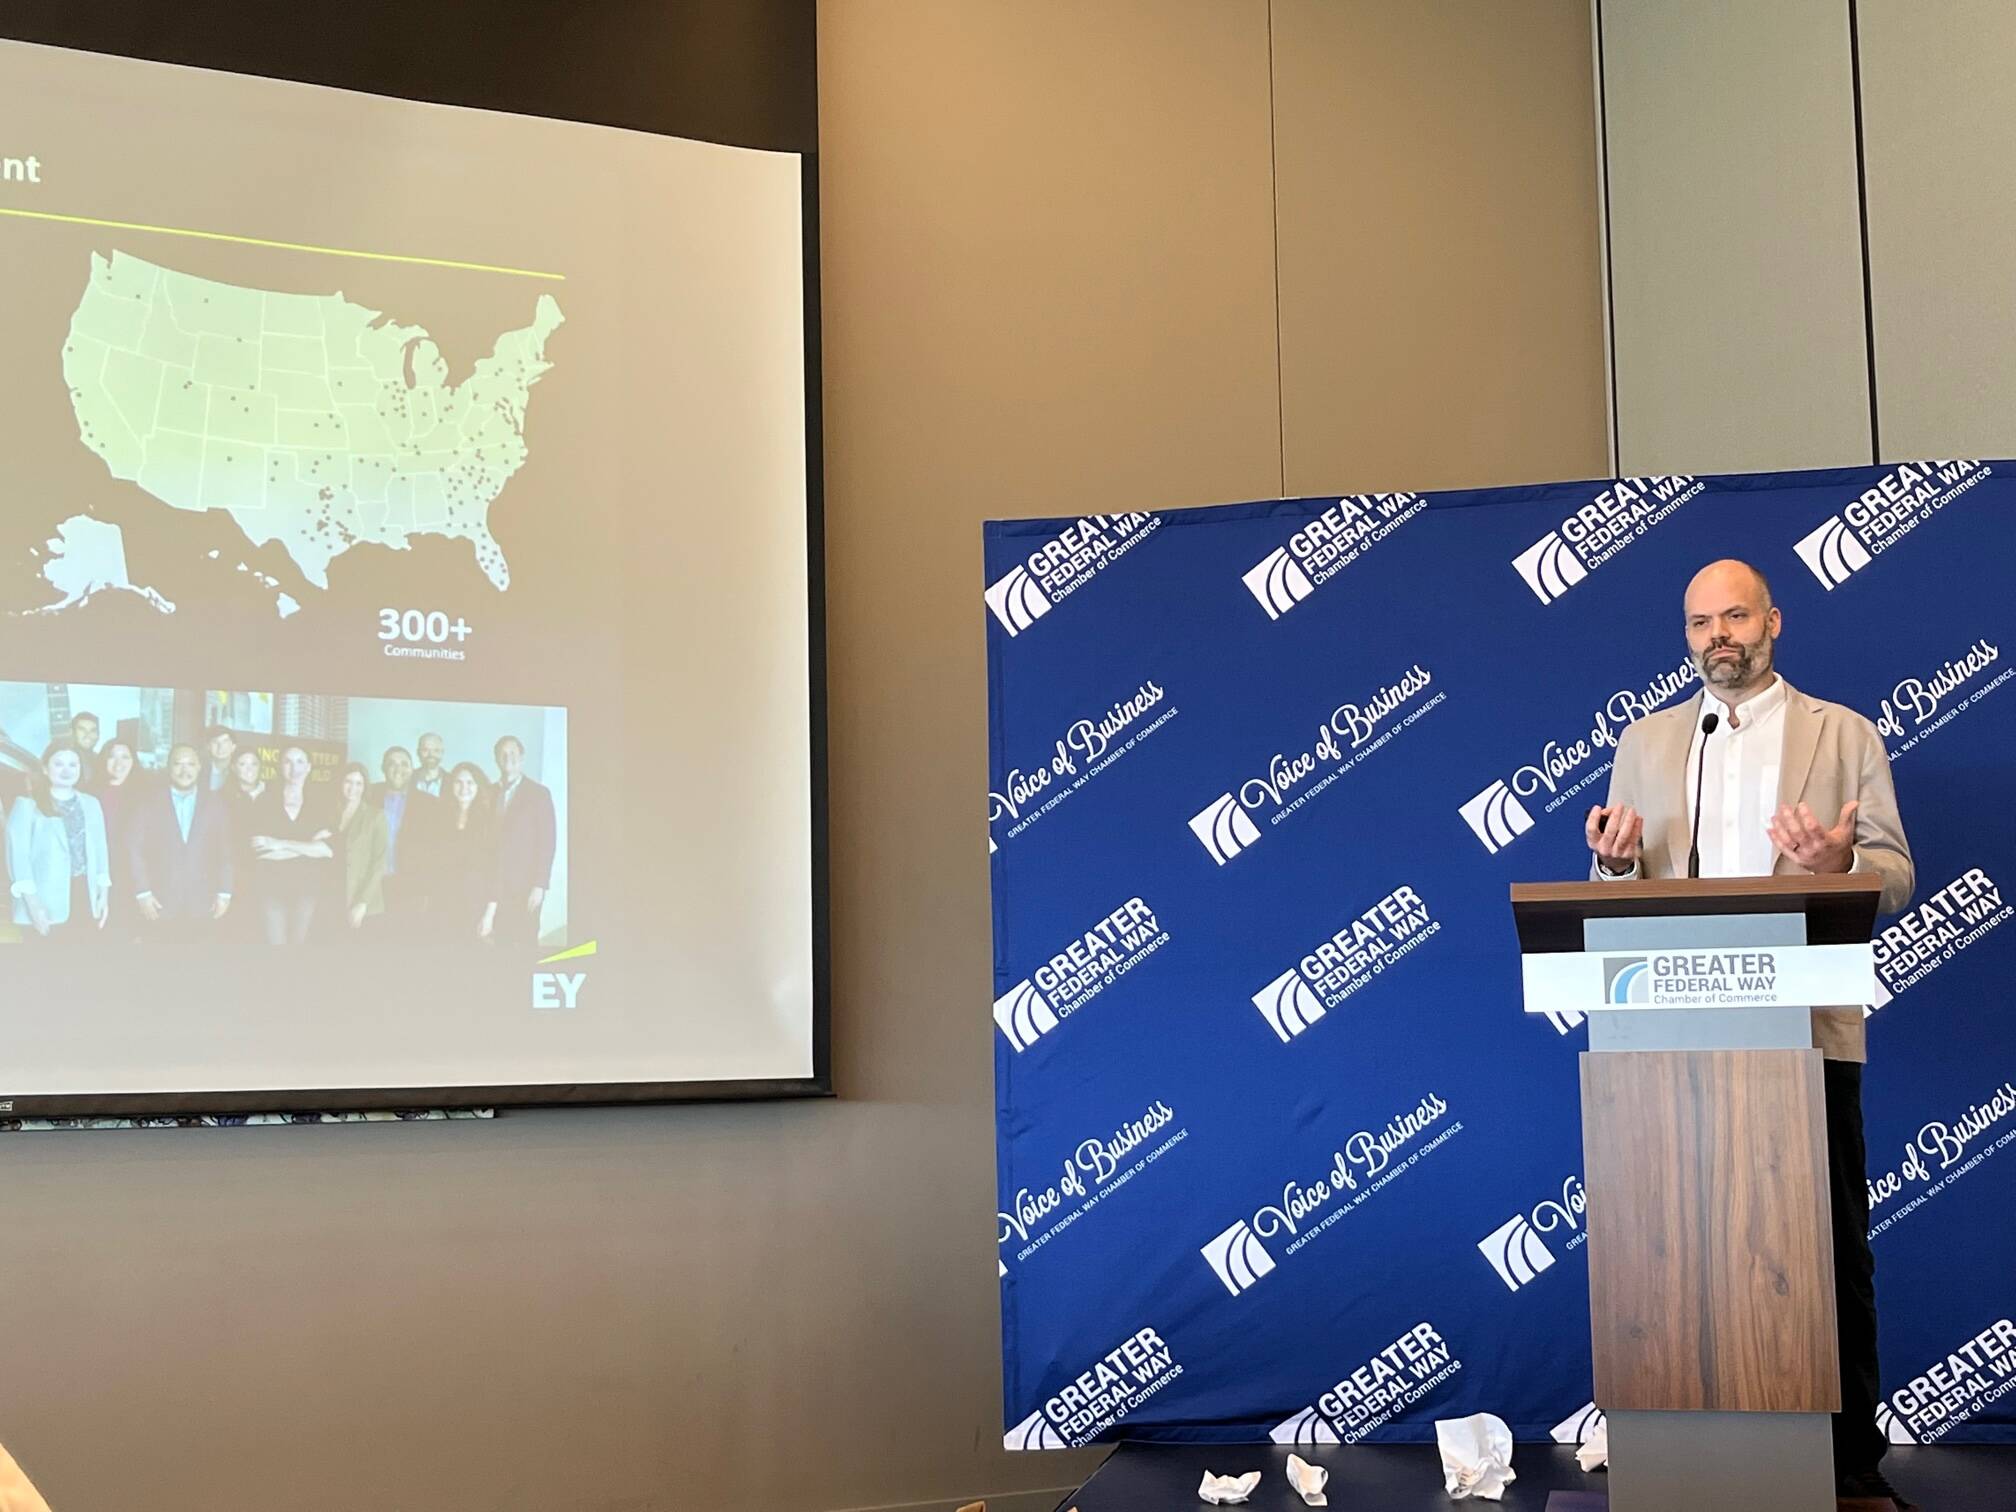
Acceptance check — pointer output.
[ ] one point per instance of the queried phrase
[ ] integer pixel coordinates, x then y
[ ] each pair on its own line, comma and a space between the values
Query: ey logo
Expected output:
561, 989
1833, 552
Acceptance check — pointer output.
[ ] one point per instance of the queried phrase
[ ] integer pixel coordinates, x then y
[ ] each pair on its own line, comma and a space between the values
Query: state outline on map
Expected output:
337, 428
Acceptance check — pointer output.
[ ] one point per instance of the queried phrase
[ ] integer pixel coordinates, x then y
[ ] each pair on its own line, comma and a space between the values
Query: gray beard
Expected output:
1750, 665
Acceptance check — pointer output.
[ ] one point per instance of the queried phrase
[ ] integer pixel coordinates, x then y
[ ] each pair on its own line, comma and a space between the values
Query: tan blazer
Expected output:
1832, 754
16, 1495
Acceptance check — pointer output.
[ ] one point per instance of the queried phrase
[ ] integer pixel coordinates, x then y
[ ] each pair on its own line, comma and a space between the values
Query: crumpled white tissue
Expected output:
1594, 1453
1308, 1480
1476, 1456
1224, 1490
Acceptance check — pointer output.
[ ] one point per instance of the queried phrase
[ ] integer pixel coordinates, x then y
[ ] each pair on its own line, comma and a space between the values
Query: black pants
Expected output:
1858, 1443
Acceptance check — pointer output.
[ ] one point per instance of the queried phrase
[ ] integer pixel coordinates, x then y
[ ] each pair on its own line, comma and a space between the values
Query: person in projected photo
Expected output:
179, 854
58, 862
118, 788
467, 876
361, 840
526, 840
412, 827
222, 745
291, 852
245, 798
84, 732
431, 775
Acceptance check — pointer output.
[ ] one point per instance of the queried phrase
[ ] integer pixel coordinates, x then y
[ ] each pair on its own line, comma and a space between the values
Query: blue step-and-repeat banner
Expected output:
1279, 1154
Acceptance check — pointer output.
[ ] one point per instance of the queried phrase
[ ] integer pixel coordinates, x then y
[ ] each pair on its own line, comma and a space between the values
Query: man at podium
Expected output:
1748, 778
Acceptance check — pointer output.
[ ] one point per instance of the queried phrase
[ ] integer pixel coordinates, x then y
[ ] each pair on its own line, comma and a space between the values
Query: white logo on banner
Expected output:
1515, 1248
1063, 564
1598, 531
1091, 1173
1832, 553
1923, 697
1892, 1427
1033, 1432
1345, 962
1307, 1427
1577, 1426
1496, 817
1238, 1258
1025, 795
1516, 1252
1224, 829
1097, 958
1944, 1152
1980, 1371
1104, 1393
1016, 601
1391, 1381
1882, 515
1023, 1015
1324, 547
1563, 768
1549, 567
1924, 938
1279, 583
1288, 1005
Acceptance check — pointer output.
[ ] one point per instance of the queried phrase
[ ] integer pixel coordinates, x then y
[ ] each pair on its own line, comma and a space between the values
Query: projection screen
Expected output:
406, 652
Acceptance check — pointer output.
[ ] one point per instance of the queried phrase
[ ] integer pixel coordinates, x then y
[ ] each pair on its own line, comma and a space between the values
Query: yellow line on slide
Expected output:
285, 246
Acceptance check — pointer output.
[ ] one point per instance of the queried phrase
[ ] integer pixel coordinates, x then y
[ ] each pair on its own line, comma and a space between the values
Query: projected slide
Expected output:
404, 640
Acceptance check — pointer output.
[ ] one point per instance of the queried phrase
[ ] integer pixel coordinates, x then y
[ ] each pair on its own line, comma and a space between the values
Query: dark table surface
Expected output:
1408, 1477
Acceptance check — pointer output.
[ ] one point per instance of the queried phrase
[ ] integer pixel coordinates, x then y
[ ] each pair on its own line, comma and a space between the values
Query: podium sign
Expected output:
1755, 976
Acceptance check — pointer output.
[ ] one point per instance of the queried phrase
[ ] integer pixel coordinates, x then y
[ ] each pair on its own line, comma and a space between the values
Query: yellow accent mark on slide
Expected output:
568, 955
285, 246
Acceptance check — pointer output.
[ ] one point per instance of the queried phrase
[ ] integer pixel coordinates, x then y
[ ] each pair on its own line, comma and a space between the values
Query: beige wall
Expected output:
1735, 248
1050, 285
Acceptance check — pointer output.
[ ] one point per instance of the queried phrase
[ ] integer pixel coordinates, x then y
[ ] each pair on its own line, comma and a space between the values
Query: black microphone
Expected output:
1708, 725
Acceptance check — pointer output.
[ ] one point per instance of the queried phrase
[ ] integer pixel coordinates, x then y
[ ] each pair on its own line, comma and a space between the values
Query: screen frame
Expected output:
764, 97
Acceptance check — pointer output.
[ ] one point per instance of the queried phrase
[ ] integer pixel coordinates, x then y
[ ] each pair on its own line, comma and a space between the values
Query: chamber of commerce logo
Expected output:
1279, 582
1078, 972
1104, 1393
1396, 1378
1238, 1258
1627, 979
1062, 565
1598, 531
1567, 767
1016, 601
1925, 937
1085, 1178
1577, 1426
1892, 1426
1023, 1015
1549, 567
1307, 1427
1496, 817
1975, 1373
1882, 515
1324, 547
1288, 1005
1224, 828
1023, 795
1832, 553
1516, 1252
1345, 961
1033, 1432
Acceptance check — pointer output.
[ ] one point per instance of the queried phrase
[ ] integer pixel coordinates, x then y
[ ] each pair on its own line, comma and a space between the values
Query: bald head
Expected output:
1730, 628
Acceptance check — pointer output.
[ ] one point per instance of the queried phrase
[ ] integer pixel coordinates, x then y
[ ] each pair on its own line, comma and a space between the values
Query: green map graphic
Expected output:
308, 421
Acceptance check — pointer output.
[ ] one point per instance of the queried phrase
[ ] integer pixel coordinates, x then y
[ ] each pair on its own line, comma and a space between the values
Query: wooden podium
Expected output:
1704, 1139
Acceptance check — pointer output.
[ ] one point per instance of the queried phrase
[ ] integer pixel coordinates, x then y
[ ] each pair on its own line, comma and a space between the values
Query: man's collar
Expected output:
1757, 706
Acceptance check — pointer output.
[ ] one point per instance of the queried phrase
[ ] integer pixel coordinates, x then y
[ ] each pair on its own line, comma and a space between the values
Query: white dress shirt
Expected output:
1738, 769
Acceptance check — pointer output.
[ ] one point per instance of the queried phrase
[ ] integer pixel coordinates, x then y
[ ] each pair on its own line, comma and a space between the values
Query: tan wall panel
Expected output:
1734, 236
1939, 127
1441, 278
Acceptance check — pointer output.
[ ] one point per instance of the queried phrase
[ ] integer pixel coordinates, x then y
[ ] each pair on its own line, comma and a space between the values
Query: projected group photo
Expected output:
141, 815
